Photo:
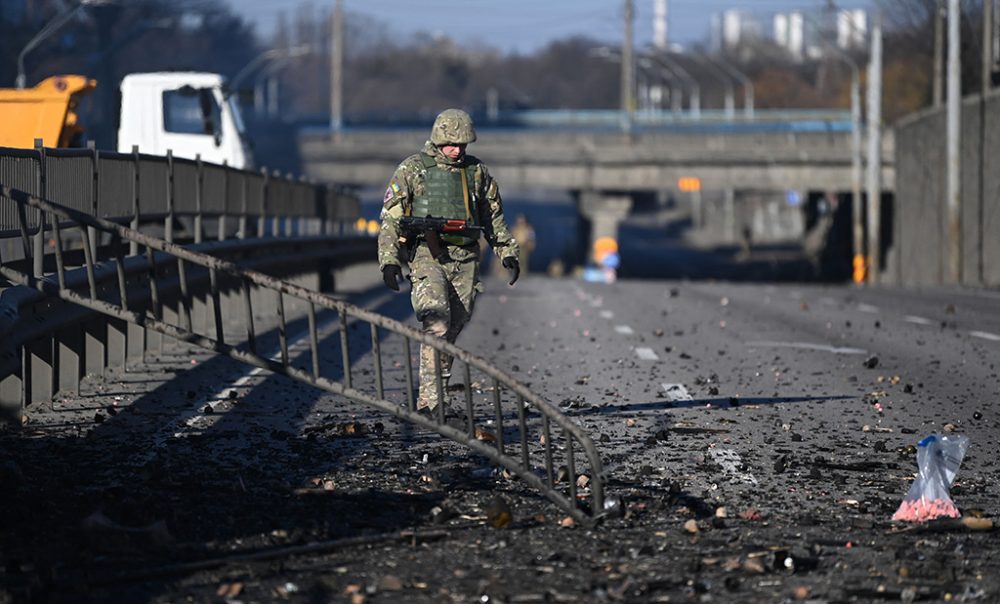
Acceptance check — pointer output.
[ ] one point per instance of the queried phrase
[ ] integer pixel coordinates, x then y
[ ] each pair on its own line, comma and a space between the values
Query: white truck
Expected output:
186, 112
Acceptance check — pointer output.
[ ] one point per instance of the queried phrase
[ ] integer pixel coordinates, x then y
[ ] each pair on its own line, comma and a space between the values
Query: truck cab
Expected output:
186, 112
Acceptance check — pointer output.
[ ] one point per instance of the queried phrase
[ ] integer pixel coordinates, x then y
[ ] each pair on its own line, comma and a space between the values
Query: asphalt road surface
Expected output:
759, 439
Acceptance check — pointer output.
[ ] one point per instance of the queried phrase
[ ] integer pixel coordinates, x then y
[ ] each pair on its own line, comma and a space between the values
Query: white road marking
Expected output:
624, 330
808, 346
646, 354
985, 335
732, 464
676, 392
607, 314
868, 308
917, 320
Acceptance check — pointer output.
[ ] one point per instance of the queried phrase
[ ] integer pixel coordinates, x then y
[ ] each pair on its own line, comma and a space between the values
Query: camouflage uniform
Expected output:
443, 291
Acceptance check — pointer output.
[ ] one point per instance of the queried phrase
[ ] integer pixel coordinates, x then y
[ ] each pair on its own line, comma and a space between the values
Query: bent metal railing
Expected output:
540, 429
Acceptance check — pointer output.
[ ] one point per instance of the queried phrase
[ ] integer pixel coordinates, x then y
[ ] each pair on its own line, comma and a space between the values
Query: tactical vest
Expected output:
443, 198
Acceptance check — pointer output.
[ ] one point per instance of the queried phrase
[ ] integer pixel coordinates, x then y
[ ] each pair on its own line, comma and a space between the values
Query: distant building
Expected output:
789, 33
852, 28
732, 27
660, 24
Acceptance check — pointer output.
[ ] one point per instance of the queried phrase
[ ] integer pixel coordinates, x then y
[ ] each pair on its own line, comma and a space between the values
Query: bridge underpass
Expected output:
605, 171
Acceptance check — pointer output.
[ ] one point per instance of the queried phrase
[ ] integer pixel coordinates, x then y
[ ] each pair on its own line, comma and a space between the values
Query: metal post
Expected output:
987, 46
198, 197
38, 240
95, 165
337, 69
938, 52
133, 247
628, 73
727, 84
953, 199
748, 98
858, 232
168, 226
874, 150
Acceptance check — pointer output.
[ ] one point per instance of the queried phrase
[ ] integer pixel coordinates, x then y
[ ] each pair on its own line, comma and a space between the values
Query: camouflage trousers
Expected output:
443, 294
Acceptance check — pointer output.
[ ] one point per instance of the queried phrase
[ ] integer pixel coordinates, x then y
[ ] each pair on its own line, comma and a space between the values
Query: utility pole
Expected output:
875, 151
337, 70
628, 69
953, 200
988, 17
938, 82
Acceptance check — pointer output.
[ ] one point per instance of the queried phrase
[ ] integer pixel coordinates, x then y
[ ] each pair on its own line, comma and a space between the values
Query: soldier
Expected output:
444, 182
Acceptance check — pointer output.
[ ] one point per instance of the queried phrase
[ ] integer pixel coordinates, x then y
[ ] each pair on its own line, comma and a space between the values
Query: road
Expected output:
759, 438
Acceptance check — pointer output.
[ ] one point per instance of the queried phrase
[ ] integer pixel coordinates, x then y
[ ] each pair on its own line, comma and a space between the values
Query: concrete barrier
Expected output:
920, 228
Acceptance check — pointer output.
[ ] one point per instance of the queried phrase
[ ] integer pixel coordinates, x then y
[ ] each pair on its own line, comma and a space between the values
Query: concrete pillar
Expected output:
70, 359
605, 212
11, 398
41, 365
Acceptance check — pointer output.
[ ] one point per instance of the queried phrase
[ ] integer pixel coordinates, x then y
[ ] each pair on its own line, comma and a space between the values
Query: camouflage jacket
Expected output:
408, 181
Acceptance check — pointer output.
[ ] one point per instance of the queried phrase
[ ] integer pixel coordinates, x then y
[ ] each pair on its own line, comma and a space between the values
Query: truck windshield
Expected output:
190, 110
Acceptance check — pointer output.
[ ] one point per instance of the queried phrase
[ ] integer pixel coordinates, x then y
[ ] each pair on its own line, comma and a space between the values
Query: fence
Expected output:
921, 225
180, 199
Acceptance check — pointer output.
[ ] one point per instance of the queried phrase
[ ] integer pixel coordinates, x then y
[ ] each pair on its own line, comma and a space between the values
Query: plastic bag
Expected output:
938, 459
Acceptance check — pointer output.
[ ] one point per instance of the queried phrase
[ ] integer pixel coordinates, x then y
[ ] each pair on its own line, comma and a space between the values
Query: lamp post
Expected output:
47, 30
727, 83
275, 54
748, 96
694, 98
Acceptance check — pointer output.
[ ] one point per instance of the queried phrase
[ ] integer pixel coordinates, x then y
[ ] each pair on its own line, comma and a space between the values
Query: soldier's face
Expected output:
453, 151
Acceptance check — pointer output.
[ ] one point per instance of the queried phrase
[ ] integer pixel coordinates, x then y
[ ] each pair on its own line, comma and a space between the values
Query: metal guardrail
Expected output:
163, 192
541, 436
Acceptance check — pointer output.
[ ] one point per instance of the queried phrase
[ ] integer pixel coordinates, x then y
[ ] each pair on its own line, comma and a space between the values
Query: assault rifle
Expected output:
431, 228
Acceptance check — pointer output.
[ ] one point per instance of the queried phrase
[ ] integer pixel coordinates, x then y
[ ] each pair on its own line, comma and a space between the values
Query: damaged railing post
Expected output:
523, 427
439, 382
313, 340
120, 269
248, 309
377, 352
282, 330
499, 415
345, 353
468, 400
185, 295
408, 356
546, 435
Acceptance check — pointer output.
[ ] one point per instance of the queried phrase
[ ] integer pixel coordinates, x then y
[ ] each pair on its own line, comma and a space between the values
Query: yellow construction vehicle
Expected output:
47, 111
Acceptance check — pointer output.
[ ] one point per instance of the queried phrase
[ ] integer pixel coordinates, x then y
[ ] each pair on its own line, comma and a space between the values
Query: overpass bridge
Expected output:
606, 170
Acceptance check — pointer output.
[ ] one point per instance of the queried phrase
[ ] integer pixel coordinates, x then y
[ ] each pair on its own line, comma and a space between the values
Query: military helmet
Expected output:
454, 127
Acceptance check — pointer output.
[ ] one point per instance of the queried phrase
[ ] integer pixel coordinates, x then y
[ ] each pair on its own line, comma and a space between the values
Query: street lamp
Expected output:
744, 80
694, 104
676, 93
727, 82
275, 54
50, 28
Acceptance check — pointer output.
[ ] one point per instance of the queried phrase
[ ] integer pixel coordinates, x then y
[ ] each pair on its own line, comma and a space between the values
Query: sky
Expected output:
526, 25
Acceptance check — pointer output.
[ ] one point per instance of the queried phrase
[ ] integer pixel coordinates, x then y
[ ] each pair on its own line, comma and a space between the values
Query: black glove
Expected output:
392, 275
510, 263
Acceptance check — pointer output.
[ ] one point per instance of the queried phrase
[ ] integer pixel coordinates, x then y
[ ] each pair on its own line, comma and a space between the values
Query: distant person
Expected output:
442, 181
524, 235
